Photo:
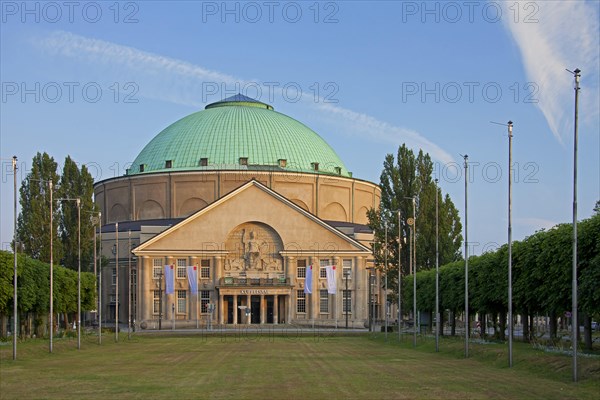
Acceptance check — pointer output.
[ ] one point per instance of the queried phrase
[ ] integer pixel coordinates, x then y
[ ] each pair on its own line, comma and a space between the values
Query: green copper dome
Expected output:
238, 133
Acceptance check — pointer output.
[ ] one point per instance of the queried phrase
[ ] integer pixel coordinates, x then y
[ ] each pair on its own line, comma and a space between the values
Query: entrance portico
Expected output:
245, 305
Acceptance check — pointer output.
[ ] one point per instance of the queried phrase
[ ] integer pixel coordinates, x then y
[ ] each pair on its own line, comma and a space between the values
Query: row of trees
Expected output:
542, 272
33, 292
33, 224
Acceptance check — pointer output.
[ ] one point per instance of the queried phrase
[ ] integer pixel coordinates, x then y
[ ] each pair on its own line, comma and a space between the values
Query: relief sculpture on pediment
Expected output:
253, 247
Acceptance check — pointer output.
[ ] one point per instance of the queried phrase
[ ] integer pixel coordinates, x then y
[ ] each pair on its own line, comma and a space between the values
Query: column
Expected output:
275, 308
146, 300
263, 309
248, 307
314, 297
235, 307
288, 307
221, 309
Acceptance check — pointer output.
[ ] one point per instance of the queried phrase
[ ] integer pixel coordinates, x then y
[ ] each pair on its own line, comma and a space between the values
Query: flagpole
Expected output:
129, 283
197, 300
117, 282
386, 282
466, 157
399, 274
14, 341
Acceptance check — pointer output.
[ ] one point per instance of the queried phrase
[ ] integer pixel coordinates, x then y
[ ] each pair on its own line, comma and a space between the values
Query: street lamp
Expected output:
466, 165
370, 302
413, 223
437, 271
574, 322
77, 200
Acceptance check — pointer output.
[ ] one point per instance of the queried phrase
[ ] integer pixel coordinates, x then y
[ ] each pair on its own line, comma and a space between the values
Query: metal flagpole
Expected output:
510, 310
50, 186
399, 274
198, 310
78, 273
414, 237
437, 271
386, 282
14, 341
466, 158
117, 282
100, 281
129, 284
574, 321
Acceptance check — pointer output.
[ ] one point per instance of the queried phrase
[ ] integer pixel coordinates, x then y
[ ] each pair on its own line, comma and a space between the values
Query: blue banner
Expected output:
169, 279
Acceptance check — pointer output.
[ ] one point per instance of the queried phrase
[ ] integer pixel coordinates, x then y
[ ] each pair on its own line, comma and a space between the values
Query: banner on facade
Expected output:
308, 280
192, 274
169, 279
331, 284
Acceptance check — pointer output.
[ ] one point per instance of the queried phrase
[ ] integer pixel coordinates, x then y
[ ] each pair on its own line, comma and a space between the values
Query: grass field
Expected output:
287, 367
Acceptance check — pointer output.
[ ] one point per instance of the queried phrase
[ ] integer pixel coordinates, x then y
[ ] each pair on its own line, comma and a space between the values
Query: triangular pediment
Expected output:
208, 230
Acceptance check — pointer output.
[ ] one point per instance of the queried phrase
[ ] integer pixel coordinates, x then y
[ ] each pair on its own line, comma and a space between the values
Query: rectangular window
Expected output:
181, 264
347, 301
323, 270
204, 162
156, 308
114, 276
181, 301
301, 269
347, 269
157, 265
323, 301
205, 268
301, 302
204, 300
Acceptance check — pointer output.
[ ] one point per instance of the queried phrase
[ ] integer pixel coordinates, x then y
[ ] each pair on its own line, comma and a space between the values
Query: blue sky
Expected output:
98, 80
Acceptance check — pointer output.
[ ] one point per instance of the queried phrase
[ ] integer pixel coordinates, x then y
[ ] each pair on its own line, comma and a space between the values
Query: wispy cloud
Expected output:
552, 36
535, 223
181, 82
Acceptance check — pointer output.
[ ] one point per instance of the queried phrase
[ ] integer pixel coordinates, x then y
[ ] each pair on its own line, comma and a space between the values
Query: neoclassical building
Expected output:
249, 199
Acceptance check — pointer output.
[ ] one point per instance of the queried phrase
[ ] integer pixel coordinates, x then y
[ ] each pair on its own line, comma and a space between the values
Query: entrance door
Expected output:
269, 309
229, 300
255, 304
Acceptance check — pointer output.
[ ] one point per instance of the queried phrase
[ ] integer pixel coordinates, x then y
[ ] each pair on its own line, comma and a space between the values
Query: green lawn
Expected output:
287, 367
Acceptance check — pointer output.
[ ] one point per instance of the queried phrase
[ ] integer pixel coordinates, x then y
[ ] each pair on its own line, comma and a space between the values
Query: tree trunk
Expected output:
587, 332
3, 324
553, 327
502, 325
442, 313
525, 320
66, 321
453, 327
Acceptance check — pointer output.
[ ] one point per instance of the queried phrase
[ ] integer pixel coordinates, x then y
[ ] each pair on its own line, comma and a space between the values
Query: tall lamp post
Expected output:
510, 310
77, 201
466, 165
574, 321
385, 302
413, 246
437, 271
399, 274
14, 341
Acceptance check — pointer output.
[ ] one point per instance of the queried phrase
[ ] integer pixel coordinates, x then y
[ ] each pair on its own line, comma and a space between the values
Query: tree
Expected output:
403, 178
33, 223
76, 183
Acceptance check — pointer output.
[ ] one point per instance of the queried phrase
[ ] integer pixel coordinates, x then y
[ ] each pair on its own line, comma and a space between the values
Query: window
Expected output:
347, 301
204, 162
156, 308
323, 270
205, 268
347, 269
243, 160
204, 300
142, 167
323, 301
181, 301
301, 269
315, 166
181, 265
169, 164
338, 170
157, 265
114, 276
301, 302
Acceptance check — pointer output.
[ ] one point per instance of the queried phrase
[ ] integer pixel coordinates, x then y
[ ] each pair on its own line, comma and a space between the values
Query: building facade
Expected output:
245, 200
